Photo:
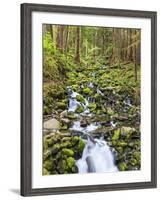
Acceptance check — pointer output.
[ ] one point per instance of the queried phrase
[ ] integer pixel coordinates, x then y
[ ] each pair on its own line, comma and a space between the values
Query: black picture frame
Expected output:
26, 96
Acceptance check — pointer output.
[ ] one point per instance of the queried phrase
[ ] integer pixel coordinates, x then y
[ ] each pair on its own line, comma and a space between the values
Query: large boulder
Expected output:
52, 124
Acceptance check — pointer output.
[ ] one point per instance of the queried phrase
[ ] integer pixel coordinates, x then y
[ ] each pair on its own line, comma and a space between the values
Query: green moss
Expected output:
48, 164
87, 91
75, 140
47, 110
119, 149
110, 111
122, 144
80, 109
92, 106
45, 144
71, 116
75, 87
133, 162
67, 152
45, 172
97, 96
61, 166
80, 98
65, 127
136, 155
114, 142
99, 112
128, 131
66, 144
65, 139
122, 166
81, 146
61, 105
70, 162
116, 135
46, 154
49, 142
55, 149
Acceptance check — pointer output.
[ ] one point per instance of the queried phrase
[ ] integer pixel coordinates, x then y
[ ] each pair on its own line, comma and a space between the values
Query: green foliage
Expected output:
109, 65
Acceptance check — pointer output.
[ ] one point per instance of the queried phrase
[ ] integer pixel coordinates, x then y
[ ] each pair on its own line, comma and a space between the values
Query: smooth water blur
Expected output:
97, 156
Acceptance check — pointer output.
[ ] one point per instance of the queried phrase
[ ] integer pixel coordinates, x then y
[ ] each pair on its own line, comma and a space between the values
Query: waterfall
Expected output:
97, 156
90, 85
74, 104
99, 92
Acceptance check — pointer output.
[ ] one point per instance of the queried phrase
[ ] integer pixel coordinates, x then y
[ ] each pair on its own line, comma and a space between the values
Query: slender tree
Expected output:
77, 54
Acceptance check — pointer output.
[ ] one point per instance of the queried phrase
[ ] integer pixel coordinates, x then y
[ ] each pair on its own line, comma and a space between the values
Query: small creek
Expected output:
97, 155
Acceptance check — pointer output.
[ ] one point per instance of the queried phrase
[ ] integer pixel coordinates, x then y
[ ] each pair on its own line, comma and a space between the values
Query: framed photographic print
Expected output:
88, 99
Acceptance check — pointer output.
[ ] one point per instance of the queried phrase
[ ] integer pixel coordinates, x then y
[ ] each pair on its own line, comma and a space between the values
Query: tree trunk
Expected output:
66, 41
77, 56
135, 56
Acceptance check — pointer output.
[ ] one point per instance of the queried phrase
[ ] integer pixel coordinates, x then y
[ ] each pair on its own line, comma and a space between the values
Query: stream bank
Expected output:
98, 114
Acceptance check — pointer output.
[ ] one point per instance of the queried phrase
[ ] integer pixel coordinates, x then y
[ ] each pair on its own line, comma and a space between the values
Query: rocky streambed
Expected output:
93, 127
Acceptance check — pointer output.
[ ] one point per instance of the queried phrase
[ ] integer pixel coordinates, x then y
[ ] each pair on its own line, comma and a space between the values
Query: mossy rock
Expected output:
97, 96
114, 142
61, 105
67, 152
45, 172
66, 139
122, 144
92, 107
99, 112
65, 101
71, 116
80, 98
75, 87
64, 127
70, 162
46, 154
81, 146
137, 155
80, 109
47, 110
119, 149
87, 91
48, 164
55, 149
109, 111
133, 162
122, 166
66, 144
75, 140
116, 135
127, 132
45, 144
49, 142
62, 165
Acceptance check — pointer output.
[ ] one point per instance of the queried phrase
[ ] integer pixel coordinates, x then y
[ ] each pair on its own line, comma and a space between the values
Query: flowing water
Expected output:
97, 155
